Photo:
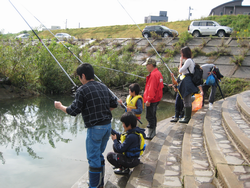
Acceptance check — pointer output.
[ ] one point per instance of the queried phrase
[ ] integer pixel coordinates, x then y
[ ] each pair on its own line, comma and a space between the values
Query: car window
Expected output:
210, 23
158, 28
195, 23
165, 27
202, 23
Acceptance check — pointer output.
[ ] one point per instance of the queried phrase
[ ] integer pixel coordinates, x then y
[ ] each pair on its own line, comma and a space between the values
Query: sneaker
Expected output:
210, 106
122, 171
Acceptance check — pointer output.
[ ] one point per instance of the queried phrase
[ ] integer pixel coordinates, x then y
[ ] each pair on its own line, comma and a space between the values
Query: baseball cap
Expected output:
150, 61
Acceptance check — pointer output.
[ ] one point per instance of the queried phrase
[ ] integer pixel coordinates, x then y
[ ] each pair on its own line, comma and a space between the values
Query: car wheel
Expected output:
146, 35
165, 35
221, 33
196, 33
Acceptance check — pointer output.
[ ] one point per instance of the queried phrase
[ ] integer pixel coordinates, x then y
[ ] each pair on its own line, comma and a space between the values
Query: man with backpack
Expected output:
209, 69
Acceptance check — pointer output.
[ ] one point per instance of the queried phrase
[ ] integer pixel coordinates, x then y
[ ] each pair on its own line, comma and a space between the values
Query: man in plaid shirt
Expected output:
95, 102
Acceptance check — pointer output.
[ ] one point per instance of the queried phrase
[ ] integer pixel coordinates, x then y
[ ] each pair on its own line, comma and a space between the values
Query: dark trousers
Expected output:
119, 160
212, 93
178, 103
151, 114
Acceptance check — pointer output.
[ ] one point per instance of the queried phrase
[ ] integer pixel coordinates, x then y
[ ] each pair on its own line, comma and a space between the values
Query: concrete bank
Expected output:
212, 150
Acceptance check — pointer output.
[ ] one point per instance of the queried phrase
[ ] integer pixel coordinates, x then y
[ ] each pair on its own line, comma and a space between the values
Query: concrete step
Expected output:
196, 168
152, 149
232, 167
212, 150
168, 168
236, 126
243, 104
143, 174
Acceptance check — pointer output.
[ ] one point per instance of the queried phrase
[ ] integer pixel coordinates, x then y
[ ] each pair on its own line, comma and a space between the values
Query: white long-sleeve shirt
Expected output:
188, 64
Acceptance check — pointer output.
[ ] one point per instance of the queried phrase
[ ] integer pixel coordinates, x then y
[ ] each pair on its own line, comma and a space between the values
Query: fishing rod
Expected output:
70, 51
44, 45
55, 36
79, 58
152, 47
147, 40
74, 54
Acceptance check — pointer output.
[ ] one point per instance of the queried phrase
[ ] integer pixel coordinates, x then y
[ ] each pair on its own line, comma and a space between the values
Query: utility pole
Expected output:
189, 13
66, 24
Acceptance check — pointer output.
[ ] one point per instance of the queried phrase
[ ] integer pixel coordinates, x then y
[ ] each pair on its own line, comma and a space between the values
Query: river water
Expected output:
41, 146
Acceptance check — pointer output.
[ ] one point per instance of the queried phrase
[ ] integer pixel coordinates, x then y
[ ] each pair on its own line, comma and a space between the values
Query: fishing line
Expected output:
43, 44
54, 35
80, 59
148, 40
75, 56
46, 96
152, 47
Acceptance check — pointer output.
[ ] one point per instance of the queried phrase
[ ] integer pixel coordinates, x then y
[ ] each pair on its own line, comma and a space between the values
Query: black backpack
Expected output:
197, 77
217, 73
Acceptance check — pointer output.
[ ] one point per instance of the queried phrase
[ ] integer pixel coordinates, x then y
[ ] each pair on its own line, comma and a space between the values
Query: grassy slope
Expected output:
117, 31
240, 23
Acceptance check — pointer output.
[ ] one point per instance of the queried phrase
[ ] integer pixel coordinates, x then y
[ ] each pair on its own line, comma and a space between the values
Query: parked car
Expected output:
208, 27
22, 36
160, 30
63, 36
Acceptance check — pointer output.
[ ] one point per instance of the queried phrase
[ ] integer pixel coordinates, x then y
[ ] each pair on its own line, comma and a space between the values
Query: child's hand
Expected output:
113, 137
129, 109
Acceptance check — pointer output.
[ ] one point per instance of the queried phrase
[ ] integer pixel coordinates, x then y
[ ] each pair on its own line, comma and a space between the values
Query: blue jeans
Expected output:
96, 142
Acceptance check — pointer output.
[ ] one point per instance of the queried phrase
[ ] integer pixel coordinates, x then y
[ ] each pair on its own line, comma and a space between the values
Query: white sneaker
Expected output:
210, 106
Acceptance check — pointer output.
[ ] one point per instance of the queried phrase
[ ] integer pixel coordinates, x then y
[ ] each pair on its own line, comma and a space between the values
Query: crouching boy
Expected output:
128, 146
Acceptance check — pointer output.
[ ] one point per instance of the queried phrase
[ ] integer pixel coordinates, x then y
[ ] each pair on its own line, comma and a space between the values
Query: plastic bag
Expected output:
210, 80
197, 103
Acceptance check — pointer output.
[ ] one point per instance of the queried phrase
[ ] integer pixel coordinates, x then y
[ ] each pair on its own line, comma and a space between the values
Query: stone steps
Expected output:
196, 168
225, 133
143, 174
212, 150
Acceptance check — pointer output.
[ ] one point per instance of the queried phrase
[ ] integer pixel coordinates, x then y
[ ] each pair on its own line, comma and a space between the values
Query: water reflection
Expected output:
35, 130
30, 121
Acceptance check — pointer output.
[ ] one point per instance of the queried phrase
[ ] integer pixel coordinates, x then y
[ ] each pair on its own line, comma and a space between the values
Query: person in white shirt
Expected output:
186, 86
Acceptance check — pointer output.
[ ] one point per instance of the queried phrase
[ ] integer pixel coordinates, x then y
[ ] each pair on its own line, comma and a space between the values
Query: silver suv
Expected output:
208, 27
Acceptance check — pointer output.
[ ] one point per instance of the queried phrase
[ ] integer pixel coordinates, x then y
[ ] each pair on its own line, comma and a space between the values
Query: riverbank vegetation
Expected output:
30, 67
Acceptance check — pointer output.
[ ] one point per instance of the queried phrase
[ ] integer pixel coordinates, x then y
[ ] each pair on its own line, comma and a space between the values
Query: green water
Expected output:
41, 146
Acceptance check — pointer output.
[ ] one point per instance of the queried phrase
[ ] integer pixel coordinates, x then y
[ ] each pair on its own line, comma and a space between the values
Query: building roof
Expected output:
225, 4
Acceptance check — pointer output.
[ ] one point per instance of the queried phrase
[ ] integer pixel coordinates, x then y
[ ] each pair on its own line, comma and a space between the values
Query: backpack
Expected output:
217, 73
197, 77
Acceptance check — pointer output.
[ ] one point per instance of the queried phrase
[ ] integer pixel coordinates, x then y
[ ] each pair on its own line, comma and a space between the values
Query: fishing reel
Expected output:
73, 90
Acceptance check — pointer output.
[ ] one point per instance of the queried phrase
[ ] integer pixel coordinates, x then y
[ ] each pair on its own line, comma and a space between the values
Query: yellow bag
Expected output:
197, 103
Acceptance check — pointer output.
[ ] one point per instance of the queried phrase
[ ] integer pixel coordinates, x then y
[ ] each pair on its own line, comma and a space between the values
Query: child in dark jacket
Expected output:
128, 146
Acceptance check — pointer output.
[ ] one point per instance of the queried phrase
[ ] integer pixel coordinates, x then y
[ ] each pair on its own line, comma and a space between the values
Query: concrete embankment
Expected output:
212, 150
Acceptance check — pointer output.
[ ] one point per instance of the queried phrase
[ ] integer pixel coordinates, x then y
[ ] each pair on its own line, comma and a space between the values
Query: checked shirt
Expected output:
93, 100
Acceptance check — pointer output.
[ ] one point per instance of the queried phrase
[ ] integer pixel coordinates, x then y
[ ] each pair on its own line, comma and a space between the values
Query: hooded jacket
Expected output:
131, 142
154, 85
